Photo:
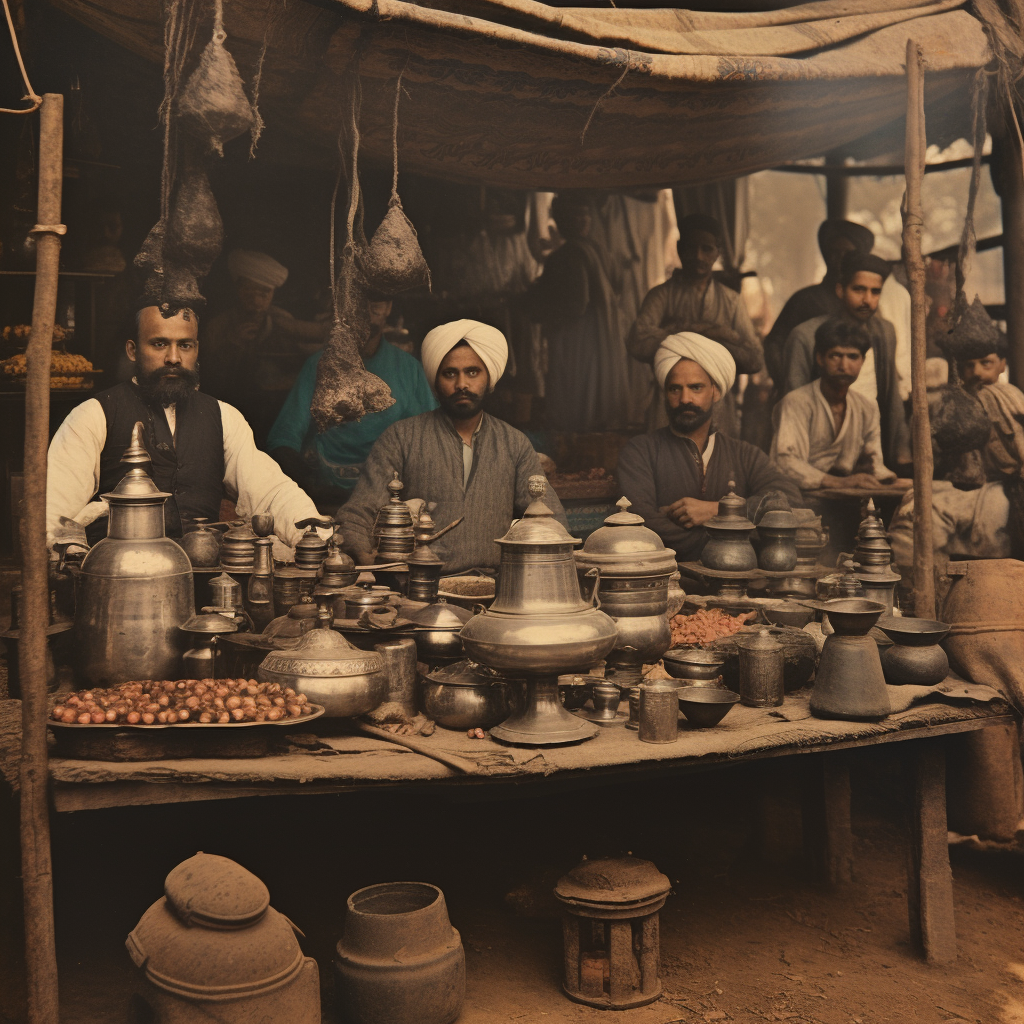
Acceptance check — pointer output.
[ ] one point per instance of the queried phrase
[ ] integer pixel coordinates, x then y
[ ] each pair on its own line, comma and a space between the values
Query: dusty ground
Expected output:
740, 940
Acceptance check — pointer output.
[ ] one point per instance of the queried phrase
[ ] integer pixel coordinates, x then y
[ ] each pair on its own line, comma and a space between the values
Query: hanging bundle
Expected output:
195, 232
213, 107
393, 260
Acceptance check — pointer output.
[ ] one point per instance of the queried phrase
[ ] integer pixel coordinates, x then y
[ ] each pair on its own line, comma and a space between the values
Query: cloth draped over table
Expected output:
519, 94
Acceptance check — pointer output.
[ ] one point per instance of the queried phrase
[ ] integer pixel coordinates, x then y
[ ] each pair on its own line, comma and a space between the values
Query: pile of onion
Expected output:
206, 701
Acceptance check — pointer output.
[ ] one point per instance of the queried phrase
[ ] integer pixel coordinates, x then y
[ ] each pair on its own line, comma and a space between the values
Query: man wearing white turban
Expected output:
253, 351
467, 461
676, 476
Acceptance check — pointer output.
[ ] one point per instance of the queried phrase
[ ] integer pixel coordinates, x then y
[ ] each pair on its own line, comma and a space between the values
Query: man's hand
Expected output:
691, 512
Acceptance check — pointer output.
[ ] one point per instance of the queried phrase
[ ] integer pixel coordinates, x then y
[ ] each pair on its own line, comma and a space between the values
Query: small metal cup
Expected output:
659, 712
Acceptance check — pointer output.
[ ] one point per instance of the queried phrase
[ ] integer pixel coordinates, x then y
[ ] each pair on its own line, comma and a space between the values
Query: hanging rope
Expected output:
968, 238
30, 94
394, 137
618, 81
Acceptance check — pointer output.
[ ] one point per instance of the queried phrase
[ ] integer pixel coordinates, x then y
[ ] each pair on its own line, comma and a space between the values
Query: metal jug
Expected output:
728, 545
135, 586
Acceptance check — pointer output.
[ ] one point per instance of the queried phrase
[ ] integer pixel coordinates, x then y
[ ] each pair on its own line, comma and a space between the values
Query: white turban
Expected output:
487, 342
712, 358
256, 266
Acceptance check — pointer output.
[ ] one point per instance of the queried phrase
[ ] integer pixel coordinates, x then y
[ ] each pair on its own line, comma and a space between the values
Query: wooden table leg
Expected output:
828, 833
929, 878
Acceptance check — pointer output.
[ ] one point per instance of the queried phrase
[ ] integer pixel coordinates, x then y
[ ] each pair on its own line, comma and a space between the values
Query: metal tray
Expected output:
318, 710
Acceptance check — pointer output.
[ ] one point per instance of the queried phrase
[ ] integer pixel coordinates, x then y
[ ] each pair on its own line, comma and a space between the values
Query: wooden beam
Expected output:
874, 170
913, 221
36, 871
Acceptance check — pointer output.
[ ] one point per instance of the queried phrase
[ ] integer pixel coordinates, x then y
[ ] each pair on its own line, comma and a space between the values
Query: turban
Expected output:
256, 266
712, 358
487, 342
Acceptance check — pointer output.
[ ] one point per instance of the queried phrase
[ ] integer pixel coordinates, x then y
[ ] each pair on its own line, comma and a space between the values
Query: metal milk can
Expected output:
135, 586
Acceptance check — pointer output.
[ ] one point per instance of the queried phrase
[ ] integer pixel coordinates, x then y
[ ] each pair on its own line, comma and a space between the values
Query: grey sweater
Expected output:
426, 451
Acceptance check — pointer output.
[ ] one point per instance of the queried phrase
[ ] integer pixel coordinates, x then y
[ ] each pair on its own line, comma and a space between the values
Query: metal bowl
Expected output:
705, 707
852, 616
913, 632
787, 613
681, 663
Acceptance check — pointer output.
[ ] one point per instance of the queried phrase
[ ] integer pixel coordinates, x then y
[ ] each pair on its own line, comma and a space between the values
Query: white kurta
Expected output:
806, 446
252, 479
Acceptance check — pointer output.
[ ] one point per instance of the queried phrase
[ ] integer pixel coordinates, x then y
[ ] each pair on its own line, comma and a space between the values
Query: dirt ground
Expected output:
741, 940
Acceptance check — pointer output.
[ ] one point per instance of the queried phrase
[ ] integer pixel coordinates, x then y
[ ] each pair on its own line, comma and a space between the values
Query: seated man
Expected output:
201, 449
987, 521
835, 239
334, 458
858, 288
675, 476
827, 435
692, 300
468, 462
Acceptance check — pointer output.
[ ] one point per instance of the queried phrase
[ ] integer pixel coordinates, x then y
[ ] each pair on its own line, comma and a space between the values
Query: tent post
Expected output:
1012, 196
837, 188
36, 871
913, 220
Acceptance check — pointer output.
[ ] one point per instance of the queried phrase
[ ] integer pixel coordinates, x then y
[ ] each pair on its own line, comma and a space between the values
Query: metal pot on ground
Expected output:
465, 695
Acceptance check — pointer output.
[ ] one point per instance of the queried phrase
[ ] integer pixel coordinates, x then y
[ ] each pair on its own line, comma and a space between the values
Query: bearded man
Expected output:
675, 476
467, 461
201, 449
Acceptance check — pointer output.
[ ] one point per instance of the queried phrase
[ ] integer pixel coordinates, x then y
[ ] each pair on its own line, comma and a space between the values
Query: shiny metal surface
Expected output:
704, 707
693, 665
437, 632
311, 550
134, 589
777, 534
658, 712
238, 548
762, 661
201, 544
849, 683
543, 721
393, 534
329, 671
465, 696
728, 546
625, 547
914, 655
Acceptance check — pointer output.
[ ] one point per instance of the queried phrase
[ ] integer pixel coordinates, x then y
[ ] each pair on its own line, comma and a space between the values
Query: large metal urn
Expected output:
134, 590
634, 567
539, 625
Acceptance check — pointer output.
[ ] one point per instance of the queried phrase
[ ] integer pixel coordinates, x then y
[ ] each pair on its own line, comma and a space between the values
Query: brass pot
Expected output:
202, 544
728, 546
329, 671
437, 632
465, 696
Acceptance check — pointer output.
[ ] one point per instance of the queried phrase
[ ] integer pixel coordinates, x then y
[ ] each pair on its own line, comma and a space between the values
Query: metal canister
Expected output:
633, 722
762, 661
659, 712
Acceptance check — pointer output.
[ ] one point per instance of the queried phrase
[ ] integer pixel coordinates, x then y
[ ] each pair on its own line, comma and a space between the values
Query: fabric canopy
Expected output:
520, 94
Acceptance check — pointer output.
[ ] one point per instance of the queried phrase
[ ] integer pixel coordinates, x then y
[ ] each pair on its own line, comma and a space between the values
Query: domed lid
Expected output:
136, 487
214, 936
209, 622
211, 890
612, 880
465, 672
778, 519
732, 513
625, 547
323, 653
441, 615
762, 642
538, 525
240, 532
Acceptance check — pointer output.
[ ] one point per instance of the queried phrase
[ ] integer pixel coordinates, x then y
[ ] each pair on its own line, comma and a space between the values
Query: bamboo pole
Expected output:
36, 872
913, 219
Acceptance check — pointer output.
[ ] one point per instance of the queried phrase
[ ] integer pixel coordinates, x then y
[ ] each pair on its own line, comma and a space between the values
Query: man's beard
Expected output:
472, 404
687, 418
167, 385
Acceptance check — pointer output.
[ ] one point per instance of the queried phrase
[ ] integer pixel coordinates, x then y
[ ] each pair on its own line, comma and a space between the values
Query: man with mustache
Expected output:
467, 461
675, 476
858, 288
201, 449
827, 434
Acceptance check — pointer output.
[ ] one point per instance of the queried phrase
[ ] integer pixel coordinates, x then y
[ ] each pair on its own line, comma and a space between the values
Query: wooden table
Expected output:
351, 763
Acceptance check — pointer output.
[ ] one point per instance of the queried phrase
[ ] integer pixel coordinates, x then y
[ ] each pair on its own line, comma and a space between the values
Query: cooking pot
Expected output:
465, 695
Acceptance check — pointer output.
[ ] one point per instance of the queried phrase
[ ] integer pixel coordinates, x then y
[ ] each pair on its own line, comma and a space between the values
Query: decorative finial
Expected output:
395, 487
537, 485
732, 486
136, 453
624, 504
871, 506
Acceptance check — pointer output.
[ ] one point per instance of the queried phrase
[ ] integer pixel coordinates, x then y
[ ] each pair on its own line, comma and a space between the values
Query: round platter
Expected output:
317, 711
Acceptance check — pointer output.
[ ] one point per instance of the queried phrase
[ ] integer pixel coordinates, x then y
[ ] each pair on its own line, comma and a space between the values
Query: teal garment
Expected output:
339, 453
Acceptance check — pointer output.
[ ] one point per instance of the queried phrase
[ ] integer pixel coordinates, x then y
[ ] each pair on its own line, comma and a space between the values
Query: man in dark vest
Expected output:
201, 449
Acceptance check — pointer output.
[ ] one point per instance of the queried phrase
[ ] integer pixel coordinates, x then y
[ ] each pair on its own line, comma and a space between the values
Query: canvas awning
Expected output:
499, 92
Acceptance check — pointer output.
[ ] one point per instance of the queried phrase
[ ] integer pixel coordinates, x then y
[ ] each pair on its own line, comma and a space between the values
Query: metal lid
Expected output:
762, 642
209, 622
465, 672
207, 889
778, 519
538, 525
732, 513
441, 615
323, 653
136, 487
625, 547
612, 880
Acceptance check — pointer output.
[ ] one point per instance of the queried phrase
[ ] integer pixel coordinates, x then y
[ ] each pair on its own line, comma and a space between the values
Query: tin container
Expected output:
762, 661
658, 712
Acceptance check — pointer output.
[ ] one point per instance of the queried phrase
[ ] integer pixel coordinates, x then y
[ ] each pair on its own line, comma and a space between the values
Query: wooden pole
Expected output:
913, 220
1012, 197
36, 873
